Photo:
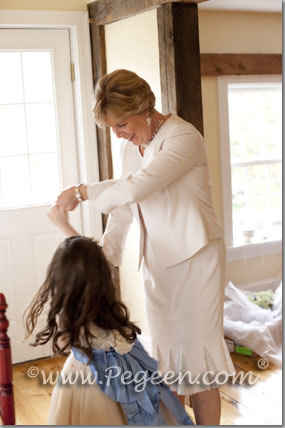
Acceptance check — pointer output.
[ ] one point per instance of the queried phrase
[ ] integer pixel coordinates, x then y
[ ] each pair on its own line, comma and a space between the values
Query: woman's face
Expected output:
133, 128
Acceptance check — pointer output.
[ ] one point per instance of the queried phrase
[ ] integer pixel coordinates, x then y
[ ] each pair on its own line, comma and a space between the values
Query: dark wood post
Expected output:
179, 52
7, 409
99, 68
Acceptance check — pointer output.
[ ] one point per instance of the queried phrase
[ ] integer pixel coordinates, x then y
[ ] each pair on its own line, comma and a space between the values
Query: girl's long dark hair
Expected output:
80, 290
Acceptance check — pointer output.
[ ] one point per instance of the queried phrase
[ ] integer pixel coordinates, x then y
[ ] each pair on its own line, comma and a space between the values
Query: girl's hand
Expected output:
67, 199
58, 216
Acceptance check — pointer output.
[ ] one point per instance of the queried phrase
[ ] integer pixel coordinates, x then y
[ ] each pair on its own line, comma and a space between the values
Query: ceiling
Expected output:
245, 5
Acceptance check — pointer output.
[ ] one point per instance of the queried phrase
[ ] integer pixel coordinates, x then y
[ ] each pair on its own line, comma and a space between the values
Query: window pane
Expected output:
11, 85
257, 182
272, 129
255, 116
241, 224
255, 147
256, 203
12, 130
239, 184
37, 73
41, 127
275, 180
44, 177
275, 201
15, 183
29, 169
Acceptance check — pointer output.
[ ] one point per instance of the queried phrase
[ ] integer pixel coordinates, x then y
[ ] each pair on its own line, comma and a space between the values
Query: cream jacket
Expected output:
167, 190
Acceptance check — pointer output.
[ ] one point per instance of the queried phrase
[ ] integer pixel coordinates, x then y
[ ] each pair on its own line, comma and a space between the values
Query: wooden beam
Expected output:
98, 51
99, 68
180, 61
166, 59
240, 64
107, 11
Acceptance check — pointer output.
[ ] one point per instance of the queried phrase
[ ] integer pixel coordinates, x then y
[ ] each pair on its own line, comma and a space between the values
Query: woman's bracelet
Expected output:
78, 193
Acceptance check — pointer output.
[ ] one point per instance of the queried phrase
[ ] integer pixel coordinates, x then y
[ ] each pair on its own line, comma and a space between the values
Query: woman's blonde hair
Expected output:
121, 93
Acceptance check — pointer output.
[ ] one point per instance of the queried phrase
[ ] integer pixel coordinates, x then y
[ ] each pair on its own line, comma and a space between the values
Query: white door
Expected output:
37, 159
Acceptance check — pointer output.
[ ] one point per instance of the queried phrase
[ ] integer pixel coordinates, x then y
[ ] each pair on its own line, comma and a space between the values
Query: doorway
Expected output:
38, 157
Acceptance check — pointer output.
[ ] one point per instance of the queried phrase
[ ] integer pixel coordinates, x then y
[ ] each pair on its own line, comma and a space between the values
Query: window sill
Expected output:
253, 251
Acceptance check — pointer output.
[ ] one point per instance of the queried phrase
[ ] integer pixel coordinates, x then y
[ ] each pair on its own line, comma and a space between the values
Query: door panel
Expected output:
38, 157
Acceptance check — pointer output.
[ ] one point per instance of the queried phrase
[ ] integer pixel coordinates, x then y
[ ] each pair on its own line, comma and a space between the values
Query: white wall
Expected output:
133, 44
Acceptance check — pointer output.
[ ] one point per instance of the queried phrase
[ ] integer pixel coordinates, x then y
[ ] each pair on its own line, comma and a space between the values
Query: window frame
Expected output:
255, 250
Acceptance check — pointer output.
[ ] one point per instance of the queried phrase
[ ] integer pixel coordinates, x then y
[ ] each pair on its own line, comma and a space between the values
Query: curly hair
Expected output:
80, 290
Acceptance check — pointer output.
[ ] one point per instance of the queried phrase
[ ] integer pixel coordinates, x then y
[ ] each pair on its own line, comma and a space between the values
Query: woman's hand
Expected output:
58, 215
67, 199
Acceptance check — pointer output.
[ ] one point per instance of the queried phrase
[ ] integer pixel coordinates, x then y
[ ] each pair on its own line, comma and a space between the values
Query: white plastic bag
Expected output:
249, 325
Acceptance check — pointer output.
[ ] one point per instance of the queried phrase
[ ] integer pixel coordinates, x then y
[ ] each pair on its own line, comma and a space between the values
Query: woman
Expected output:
165, 186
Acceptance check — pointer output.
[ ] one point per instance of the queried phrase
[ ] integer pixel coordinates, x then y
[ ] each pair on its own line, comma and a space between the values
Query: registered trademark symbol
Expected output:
263, 363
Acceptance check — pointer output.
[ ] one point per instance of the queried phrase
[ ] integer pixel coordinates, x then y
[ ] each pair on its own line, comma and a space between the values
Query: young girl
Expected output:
111, 378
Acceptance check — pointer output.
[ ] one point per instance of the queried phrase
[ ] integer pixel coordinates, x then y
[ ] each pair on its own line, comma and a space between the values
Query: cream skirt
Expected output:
184, 305
86, 404
82, 404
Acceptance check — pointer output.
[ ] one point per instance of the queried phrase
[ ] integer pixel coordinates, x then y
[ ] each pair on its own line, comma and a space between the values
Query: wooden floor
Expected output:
256, 404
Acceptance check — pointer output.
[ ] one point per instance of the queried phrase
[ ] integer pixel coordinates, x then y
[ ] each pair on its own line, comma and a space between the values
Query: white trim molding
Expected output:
253, 251
243, 5
262, 285
78, 25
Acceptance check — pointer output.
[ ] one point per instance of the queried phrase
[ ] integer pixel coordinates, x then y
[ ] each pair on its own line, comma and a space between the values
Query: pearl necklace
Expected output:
147, 143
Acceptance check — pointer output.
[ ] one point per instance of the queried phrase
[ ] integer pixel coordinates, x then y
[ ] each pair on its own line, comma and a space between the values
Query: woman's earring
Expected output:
148, 119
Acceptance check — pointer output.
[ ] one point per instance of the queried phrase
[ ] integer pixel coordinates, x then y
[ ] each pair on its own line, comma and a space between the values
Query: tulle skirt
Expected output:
86, 404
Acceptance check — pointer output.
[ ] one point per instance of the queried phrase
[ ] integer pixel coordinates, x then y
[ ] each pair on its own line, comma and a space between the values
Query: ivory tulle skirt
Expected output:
82, 404
86, 404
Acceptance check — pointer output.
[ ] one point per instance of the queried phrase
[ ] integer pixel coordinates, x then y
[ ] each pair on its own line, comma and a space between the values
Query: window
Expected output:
251, 136
29, 171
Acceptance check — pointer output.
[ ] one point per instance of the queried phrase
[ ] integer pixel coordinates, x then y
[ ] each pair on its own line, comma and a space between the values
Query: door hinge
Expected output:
72, 72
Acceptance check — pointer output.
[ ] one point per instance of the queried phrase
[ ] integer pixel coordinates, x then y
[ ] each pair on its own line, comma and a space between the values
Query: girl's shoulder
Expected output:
103, 339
